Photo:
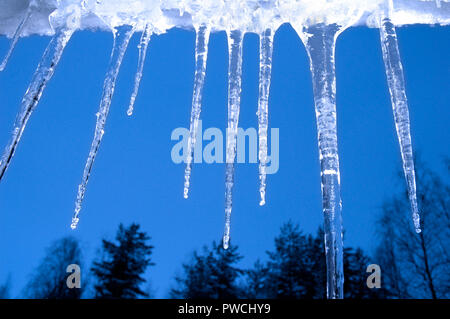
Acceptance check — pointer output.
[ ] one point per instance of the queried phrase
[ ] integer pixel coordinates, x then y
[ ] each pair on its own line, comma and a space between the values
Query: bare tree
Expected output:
49, 279
417, 265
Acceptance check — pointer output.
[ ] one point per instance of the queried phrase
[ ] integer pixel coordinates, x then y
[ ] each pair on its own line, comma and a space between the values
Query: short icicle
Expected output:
18, 33
143, 45
201, 55
265, 70
122, 36
397, 90
235, 40
320, 41
41, 77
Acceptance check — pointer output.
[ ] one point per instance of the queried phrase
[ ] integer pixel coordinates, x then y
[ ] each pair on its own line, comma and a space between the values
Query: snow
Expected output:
248, 16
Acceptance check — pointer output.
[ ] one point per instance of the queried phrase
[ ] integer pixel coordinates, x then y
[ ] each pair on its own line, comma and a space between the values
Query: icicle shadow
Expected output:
122, 36
397, 90
201, 55
41, 77
265, 70
235, 40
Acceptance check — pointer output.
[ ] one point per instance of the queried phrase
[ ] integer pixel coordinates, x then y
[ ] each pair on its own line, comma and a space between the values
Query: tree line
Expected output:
412, 265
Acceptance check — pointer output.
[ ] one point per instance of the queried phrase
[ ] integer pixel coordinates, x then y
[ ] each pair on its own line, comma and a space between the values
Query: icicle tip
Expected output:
74, 223
226, 240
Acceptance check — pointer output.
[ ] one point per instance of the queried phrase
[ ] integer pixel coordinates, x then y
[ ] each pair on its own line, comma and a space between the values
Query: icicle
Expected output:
122, 36
41, 77
201, 55
265, 69
18, 33
397, 90
143, 45
320, 42
235, 39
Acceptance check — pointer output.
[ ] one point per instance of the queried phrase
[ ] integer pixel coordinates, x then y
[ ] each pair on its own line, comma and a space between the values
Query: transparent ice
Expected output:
318, 23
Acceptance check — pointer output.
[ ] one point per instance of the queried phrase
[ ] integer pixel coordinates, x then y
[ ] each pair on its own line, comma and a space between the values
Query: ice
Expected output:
397, 90
318, 23
201, 55
265, 69
143, 45
41, 77
122, 36
235, 39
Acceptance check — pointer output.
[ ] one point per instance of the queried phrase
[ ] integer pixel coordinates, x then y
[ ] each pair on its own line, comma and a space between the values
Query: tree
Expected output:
210, 274
296, 269
5, 288
49, 280
256, 281
417, 265
119, 272
290, 266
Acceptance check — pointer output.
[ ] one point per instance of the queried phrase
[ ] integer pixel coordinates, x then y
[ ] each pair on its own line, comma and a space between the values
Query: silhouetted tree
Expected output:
290, 266
297, 269
211, 274
119, 273
49, 279
256, 281
417, 265
355, 276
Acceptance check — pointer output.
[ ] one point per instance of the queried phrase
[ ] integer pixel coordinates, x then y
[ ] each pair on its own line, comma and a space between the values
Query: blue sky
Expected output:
134, 179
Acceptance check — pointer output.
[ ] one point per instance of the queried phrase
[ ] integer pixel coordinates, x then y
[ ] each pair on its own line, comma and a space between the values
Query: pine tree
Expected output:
119, 274
211, 274
290, 274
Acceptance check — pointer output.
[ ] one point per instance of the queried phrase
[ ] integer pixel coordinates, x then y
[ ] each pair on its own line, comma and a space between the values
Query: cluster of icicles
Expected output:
319, 40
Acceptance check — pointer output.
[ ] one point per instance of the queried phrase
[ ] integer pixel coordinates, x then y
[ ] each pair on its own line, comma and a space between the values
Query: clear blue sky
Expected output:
134, 179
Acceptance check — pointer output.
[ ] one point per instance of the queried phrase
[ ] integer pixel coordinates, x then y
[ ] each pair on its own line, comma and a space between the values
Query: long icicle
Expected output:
122, 36
235, 39
397, 90
201, 55
143, 45
320, 41
41, 77
18, 33
265, 70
